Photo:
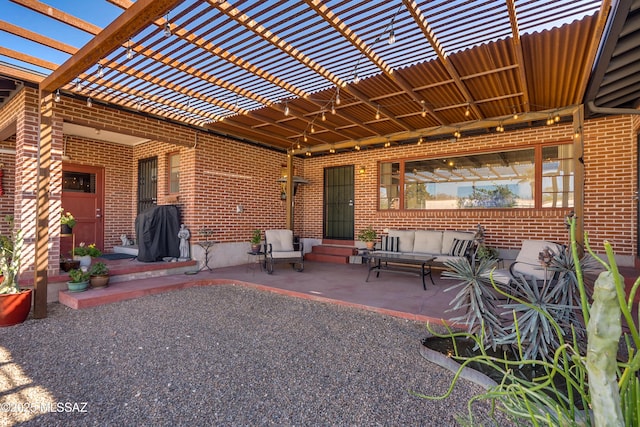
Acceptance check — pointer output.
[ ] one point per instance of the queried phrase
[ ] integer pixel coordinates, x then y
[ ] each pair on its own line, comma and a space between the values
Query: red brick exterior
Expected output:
217, 174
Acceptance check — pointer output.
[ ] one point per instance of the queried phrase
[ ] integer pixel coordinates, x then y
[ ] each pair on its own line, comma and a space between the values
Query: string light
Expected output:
550, 120
333, 108
499, 128
324, 118
312, 130
304, 137
392, 36
467, 112
378, 113
89, 102
420, 141
515, 114
129, 50
78, 85
100, 71
556, 117
356, 147
286, 109
139, 105
387, 144
332, 150
337, 95
308, 153
298, 145
56, 98
167, 27
457, 134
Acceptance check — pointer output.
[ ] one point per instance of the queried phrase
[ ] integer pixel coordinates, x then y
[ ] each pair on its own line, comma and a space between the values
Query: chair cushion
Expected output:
428, 242
390, 243
406, 239
459, 247
280, 240
285, 254
527, 262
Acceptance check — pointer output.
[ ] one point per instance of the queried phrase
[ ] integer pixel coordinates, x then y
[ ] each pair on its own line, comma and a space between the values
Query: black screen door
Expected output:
338, 202
147, 183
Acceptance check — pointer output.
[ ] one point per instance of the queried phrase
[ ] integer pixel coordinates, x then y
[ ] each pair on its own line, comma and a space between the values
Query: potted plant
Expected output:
99, 275
256, 240
15, 303
67, 222
78, 280
84, 253
369, 236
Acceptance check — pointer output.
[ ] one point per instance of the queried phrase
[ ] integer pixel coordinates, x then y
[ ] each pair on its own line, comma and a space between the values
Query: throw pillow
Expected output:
459, 247
390, 243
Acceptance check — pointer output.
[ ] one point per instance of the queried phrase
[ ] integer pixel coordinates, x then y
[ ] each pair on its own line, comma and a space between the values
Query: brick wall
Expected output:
610, 211
218, 174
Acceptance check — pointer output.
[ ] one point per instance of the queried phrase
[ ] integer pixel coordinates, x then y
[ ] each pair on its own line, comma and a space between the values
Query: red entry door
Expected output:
83, 196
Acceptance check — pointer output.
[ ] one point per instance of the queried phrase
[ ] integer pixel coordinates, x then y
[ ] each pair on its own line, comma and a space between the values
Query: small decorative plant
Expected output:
256, 236
78, 276
10, 254
83, 249
99, 269
368, 234
67, 219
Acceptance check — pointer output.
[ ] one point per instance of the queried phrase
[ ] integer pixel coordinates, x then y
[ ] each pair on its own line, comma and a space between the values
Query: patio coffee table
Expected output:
381, 262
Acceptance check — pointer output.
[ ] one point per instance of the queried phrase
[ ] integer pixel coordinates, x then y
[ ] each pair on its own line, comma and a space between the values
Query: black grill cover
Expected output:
157, 233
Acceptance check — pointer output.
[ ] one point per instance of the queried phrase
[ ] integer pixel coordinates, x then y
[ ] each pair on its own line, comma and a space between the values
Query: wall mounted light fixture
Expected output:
362, 170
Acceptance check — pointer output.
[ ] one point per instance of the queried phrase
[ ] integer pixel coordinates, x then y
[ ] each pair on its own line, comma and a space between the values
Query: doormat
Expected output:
115, 256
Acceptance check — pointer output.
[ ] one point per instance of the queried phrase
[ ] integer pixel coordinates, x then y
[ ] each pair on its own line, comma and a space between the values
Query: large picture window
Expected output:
534, 177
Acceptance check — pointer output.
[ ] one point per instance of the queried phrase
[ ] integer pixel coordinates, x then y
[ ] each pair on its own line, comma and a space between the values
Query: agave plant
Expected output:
476, 297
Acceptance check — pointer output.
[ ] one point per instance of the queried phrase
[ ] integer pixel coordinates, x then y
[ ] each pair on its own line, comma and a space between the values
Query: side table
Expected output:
206, 245
254, 258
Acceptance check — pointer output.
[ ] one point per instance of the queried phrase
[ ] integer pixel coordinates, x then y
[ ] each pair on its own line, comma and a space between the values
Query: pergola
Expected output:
311, 77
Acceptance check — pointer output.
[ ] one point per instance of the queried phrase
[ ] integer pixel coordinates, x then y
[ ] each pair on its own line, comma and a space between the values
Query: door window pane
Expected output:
557, 176
79, 182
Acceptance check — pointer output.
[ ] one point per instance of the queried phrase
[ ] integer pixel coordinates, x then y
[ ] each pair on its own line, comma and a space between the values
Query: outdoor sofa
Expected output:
442, 245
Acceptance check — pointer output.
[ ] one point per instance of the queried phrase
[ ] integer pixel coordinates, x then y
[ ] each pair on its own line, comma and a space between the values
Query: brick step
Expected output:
334, 250
126, 280
337, 242
319, 257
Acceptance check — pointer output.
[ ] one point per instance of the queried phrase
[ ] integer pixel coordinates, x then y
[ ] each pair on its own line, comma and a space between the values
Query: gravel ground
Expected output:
223, 355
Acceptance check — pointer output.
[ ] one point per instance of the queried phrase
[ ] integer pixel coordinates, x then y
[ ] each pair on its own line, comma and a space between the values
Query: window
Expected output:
504, 179
79, 182
174, 172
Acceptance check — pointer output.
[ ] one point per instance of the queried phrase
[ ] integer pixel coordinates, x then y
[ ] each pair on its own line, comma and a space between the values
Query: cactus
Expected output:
603, 332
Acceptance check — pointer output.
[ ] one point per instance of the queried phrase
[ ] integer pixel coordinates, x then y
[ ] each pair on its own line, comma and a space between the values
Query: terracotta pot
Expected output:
14, 308
99, 281
255, 247
77, 286
370, 245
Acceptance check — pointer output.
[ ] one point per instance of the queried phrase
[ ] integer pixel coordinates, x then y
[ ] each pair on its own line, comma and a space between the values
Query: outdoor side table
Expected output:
257, 258
206, 245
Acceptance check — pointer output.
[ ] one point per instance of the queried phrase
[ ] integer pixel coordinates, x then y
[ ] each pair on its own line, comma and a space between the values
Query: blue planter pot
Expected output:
77, 286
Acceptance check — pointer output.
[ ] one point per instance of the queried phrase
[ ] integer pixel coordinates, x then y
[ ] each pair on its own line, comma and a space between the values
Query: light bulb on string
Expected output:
89, 102
378, 113
167, 27
129, 50
392, 37
333, 108
56, 98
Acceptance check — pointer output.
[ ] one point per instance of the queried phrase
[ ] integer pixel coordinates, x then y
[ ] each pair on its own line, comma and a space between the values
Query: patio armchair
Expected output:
279, 248
528, 264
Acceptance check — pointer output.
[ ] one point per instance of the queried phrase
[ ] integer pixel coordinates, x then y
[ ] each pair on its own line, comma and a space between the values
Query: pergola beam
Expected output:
133, 20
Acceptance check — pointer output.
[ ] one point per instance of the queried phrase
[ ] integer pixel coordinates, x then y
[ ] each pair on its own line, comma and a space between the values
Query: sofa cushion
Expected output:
428, 242
280, 240
406, 239
448, 236
390, 243
459, 247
